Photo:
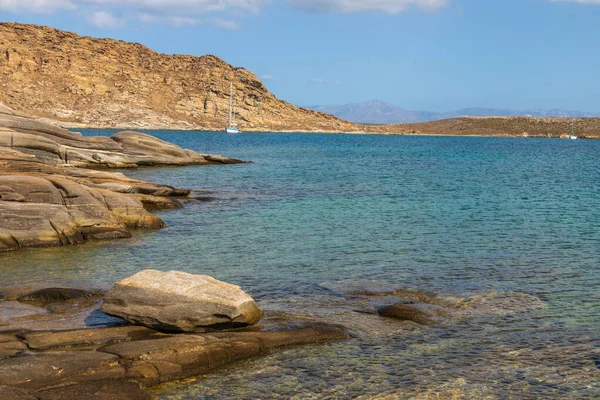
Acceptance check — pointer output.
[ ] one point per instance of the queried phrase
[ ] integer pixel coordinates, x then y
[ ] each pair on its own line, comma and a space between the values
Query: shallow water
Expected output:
513, 221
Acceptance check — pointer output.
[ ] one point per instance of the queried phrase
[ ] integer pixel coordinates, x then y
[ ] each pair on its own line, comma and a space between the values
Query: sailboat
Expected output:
231, 128
572, 134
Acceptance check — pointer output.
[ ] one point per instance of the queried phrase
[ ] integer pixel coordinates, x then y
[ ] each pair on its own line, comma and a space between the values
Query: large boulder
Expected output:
180, 302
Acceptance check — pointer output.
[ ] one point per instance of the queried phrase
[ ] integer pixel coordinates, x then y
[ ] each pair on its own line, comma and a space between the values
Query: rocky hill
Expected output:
545, 127
86, 82
103, 83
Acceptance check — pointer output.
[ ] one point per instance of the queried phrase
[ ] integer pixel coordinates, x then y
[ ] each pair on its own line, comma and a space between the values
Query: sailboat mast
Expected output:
230, 102
572, 132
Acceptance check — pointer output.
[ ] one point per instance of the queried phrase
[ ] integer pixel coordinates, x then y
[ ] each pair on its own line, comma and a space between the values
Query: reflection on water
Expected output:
512, 225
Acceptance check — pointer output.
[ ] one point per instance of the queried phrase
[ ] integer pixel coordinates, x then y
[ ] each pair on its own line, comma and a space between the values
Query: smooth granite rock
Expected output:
151, 362
50, 194
180, 302
67, 364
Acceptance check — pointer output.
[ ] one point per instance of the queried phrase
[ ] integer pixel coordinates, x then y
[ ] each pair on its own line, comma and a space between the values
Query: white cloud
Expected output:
187, 7
103, 13
325, 82
106, 20
36, 6
268, 78
581, 1
367, 6
112, 14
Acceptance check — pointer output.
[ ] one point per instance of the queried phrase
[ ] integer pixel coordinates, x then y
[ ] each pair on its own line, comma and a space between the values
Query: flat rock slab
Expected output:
102, 390
180, 302
87, 337
156, 361
58, 368
11, 348
11, 393
148, 359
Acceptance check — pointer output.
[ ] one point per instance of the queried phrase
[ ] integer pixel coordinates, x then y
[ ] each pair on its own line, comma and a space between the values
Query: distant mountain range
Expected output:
380, 112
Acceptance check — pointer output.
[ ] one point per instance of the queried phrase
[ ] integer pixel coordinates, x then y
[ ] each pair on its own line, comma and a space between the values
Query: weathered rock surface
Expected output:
64, 367
87, 337
11, 393
180, 302
53, 295
58, 368
50, 196
10, 346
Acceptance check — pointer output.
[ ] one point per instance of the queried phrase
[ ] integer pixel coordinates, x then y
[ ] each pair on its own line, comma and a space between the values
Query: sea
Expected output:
319, 227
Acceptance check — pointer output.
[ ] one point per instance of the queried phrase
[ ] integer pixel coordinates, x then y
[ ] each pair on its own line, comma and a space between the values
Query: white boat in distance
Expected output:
231, 128
572, 135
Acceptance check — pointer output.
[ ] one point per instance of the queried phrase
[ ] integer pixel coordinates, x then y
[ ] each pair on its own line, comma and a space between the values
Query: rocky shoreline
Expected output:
118, 360
57, 343
55, 187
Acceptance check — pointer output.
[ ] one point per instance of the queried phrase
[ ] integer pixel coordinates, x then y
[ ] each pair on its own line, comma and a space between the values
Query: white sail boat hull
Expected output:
232, 129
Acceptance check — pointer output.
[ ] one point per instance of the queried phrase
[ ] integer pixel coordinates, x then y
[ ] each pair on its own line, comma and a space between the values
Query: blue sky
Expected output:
437, 55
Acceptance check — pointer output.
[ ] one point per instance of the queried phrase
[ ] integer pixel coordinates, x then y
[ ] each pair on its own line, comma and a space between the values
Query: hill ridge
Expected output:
83, 81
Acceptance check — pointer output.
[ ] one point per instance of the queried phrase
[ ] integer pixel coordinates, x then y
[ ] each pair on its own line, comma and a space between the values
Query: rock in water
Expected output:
180, 302
420, 313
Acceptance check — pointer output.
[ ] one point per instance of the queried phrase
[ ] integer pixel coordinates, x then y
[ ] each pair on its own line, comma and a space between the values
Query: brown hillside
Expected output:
506, 126
82, 81
105, 83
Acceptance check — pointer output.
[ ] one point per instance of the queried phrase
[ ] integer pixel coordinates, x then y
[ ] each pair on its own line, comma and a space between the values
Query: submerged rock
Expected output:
53, 295
180, 302
417, 312
68, 365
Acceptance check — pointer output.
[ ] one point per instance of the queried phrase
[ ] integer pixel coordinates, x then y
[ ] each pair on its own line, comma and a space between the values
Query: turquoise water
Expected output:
515, 221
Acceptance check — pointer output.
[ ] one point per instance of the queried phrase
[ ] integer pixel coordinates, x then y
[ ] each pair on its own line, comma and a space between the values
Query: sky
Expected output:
434, 55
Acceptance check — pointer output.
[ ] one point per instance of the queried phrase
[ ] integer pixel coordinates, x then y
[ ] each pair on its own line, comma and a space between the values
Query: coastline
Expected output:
385, 346
391, 130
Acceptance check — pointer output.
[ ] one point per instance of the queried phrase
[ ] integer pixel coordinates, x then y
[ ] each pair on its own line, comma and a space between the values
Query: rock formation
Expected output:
53, 190
538, 127
115, 356
409, 310
180, 302
82, 81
